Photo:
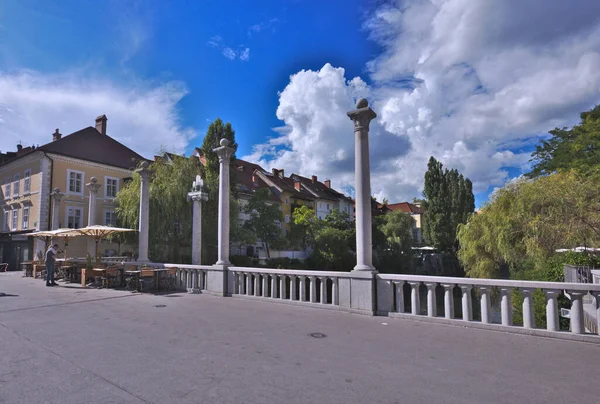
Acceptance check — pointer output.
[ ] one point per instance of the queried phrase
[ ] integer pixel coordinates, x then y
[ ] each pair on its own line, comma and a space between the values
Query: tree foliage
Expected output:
392, 239
264, 220
577, 148
527, 220
170, 212
332, 239
449, 201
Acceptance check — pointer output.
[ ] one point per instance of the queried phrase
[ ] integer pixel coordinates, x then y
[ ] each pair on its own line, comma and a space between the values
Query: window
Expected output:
110, 218
17, 185
287, 201
27, 182
327, 206
7, 188
287, 218
111, 187
25, 218
75, 182
6, 222
74, 215
15, 219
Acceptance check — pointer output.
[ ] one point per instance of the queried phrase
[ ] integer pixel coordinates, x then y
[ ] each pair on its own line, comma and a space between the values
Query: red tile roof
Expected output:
405, 207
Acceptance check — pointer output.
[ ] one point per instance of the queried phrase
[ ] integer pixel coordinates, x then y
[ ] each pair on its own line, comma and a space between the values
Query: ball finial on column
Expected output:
362, 103
224, 142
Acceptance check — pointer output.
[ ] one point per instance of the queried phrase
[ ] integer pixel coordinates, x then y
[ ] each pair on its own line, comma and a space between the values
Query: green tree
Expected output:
449, 201
396, 231
170, 211
265, 219
577, 148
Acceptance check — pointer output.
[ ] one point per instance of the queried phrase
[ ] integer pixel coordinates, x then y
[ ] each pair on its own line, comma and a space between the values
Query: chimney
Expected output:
281, 175
101, 124
56, 135
314, 179
297, 185
19, 147
274, 171
327, 183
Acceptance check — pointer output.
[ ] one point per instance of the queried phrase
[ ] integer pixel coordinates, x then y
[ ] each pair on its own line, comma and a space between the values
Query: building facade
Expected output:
66, 164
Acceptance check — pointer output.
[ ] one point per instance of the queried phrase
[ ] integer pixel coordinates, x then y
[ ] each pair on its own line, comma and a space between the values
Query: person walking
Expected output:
50, 260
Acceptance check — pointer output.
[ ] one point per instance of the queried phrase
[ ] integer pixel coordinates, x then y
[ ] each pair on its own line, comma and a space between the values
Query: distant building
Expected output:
416, 213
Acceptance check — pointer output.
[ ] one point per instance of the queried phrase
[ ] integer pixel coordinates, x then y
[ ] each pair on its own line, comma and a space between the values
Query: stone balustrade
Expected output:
391, 300
319, 288
193, 278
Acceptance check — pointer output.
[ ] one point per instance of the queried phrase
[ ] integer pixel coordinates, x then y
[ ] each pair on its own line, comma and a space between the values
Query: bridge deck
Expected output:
74, 345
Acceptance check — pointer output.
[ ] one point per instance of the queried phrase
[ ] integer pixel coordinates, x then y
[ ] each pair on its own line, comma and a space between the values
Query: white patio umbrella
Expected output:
48, 235
98, 232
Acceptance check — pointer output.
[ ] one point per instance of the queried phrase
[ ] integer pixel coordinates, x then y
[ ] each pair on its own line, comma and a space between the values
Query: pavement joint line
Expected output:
67, 303
79, 366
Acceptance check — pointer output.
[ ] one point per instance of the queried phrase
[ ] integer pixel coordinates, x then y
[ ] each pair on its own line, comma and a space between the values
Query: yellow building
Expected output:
30, 175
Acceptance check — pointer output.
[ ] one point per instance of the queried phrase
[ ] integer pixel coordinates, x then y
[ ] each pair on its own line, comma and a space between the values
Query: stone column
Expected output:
144, 220
93, 187
361, 117
224, 152
197, 195
56, 197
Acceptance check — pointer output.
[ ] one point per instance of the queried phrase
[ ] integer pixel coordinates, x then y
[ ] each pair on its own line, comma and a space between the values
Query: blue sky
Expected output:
489, 79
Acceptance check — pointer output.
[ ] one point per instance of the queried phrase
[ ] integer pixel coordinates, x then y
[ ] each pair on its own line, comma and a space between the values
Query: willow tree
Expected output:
170, 211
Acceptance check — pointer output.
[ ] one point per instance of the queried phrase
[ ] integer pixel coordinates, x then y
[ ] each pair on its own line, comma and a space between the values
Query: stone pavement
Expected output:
72, 345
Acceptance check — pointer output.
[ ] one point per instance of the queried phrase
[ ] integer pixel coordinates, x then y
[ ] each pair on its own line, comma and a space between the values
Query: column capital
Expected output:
93, 185
430, 284
448, 285
197, 196
143, 170
224, 152
56, 195
362, 115
465, 287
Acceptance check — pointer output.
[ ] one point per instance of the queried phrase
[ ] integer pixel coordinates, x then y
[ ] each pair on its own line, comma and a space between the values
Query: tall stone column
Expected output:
56, 197
224, 152
144, 219
93, 187
197, 195
361, 117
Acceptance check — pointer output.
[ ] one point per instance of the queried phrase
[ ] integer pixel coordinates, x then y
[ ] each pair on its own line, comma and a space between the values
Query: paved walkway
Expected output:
72, 345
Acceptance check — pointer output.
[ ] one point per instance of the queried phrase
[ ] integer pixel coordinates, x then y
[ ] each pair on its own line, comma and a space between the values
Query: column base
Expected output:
357, 293
363, 267
216, 280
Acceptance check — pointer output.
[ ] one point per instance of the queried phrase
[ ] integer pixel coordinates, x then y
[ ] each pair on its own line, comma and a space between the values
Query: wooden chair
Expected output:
146, 276
169, 279
110, 277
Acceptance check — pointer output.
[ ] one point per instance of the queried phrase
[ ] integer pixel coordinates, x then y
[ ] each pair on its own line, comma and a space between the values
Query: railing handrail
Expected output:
493, 282
188, 266
292, 272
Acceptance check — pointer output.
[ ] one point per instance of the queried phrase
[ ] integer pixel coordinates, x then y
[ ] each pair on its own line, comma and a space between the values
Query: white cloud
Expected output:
464, 81
229, 53
143, 117
245, 54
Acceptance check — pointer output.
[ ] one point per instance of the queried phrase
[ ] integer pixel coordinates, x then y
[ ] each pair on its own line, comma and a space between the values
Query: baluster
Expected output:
597, 307
265, 285
203, 279
335, 293
506, 305
528, 318
467, 306
431, 303
415, 298
399, 301
282, 287
485, 304
177, 278
236, 283
274, 286
323, 290
577, 311
256, 284
313, 289
302, 288
449, 300
193, 280
552, 322
248, 283
293, 294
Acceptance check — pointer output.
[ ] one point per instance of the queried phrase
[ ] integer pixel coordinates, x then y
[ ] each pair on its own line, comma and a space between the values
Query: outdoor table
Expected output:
157, 272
